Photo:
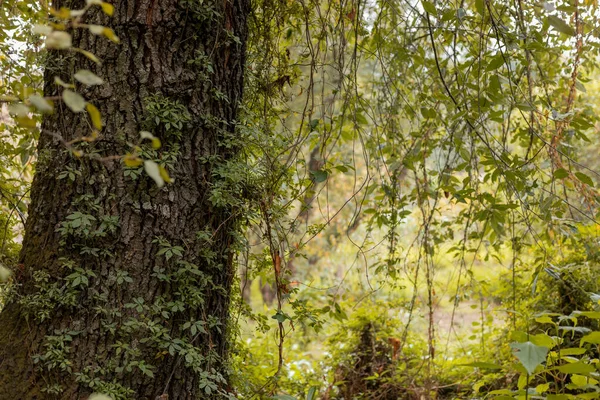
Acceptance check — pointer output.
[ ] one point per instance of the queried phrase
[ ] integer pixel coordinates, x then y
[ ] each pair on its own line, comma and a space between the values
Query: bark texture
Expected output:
107, 333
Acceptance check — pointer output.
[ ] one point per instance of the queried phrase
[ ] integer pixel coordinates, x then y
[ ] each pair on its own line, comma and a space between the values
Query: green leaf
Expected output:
560, 25
319, 176
576, 368
73, 100
153, 172
88, 77
529, 355
479, 7
584, 178
495, 62
561, 173
312, 392
429, 7
593, 338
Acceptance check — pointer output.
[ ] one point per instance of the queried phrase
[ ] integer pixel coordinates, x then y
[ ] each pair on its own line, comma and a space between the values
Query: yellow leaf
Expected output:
131, 160
94, 115
89, 55
110, 34
164, 174
156, 143
62, 13
107, 8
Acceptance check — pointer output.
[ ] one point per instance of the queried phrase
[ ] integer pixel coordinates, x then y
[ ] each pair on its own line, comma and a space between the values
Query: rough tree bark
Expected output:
130, 317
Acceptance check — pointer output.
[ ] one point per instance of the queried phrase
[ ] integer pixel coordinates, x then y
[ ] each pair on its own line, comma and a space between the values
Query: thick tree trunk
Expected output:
124, 287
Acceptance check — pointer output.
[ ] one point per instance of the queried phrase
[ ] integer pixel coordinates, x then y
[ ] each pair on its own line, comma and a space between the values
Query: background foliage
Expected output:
418, 185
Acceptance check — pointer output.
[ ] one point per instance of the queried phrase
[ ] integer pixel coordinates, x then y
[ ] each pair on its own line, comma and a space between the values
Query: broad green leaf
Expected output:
154, 172
530, 355
542, 387
584, 178
496, 62
576, 368
88, 77
560, 25
561, 173
429, 7
593, 338
319, 176
73, 100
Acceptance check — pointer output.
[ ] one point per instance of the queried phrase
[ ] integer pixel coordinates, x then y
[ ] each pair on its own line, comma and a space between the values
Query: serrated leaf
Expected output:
529, 355
88, 77
94, 115
153, 172
58, 40
73, 100
584, 178
560, 25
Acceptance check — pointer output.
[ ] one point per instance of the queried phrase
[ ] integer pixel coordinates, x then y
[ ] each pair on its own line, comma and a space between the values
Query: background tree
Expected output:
124, 285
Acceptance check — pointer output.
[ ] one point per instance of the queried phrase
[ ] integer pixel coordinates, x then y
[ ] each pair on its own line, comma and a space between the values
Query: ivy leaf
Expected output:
529, 355
153, 171
560, 25
88, 77
73, 100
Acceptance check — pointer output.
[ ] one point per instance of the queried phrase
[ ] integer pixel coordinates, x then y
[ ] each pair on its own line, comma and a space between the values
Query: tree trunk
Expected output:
124, 288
